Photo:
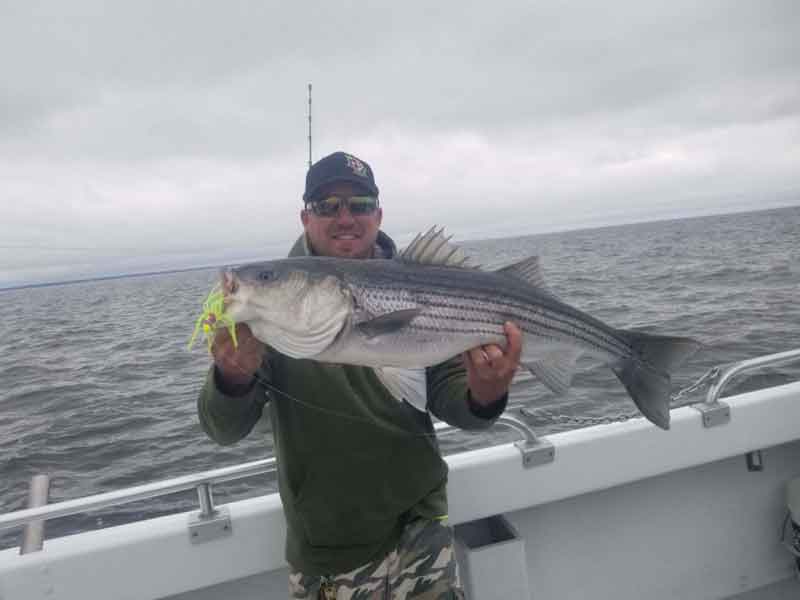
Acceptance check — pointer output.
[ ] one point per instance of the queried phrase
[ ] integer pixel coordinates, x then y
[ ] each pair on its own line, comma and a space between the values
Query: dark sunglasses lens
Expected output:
362, 205
358, 205
326, 207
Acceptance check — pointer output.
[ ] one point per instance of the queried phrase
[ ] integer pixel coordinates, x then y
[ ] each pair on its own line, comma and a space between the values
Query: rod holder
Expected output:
534, 450
33, 534
210, 523
206, 499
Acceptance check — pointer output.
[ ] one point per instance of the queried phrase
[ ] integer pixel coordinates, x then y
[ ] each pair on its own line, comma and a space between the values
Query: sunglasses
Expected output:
357, 205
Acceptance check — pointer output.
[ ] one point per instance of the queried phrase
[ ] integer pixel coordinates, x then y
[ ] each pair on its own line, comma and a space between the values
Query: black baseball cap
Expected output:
339, 166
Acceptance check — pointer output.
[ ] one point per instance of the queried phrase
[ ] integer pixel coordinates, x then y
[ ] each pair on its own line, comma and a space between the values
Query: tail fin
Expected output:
646, 374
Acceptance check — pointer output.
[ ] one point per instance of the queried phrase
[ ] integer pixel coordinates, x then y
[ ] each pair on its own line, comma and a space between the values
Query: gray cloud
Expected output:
147, 126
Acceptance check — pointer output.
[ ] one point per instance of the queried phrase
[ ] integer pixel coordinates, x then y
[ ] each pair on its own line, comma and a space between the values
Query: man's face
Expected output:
342, 235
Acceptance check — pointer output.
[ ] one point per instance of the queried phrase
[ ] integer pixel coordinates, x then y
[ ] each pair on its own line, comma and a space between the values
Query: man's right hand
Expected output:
237, 364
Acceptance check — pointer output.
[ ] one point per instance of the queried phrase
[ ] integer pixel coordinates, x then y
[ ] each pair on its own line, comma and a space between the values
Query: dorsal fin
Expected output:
433, 248
528, 270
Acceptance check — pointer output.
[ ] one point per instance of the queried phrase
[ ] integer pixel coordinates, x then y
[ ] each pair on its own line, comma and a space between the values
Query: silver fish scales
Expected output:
429, 305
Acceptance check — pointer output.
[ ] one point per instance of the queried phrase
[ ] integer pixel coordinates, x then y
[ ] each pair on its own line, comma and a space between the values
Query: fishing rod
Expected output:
51, 248
309, 125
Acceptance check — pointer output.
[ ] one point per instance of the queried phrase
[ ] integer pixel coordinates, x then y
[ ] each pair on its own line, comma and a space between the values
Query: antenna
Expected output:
309, 125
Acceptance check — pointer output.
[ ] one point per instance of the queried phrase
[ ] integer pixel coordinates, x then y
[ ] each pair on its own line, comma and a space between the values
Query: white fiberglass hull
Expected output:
625, 511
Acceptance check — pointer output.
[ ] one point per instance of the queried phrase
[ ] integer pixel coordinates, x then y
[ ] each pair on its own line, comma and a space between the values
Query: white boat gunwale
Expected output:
530, 446
593, 465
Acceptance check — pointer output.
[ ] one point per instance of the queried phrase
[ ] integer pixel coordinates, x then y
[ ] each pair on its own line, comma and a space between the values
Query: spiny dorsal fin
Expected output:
433, 248
528, 270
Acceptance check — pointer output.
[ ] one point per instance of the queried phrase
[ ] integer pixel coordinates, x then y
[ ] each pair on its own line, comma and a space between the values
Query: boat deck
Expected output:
788, 589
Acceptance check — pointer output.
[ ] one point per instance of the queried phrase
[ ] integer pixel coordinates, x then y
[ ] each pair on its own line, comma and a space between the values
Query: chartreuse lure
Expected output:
213, 317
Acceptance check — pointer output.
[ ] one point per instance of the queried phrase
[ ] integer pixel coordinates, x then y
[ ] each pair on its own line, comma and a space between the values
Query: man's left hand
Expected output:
491, 368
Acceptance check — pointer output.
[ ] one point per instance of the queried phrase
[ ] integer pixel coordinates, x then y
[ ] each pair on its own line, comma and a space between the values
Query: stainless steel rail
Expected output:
139, 492
534, 451
506, 419
201, 482
33, 534
745, 366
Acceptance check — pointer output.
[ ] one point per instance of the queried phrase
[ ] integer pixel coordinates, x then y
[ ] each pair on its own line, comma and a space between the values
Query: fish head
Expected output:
288, 304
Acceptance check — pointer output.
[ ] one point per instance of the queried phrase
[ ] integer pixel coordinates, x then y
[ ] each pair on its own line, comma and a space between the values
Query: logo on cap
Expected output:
356, 166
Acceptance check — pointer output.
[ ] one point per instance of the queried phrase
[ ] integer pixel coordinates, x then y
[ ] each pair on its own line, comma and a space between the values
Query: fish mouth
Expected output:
230, 285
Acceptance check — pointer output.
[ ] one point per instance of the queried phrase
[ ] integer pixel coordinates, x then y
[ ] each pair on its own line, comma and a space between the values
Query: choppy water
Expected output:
98, 390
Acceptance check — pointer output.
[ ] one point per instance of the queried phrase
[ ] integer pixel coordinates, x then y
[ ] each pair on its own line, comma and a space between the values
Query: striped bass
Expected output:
428, 305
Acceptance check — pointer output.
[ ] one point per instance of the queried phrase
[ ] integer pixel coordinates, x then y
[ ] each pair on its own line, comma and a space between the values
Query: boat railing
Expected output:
745, 366
199, 481
534, 451
715, 412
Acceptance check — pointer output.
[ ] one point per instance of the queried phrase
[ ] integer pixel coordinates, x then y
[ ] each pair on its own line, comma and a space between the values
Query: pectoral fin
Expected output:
405, 384
388, 323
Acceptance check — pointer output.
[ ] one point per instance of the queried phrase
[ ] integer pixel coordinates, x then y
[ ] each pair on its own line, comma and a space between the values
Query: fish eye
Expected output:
266, 275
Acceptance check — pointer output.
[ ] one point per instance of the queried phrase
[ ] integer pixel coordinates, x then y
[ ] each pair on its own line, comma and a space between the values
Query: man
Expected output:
359, 472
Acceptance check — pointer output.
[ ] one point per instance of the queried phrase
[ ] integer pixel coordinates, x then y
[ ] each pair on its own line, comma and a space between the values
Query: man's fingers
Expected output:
492, 353
485, 361
491, 368
243, 331
491, 362
514, 337
476, 362
244, 337
243, 358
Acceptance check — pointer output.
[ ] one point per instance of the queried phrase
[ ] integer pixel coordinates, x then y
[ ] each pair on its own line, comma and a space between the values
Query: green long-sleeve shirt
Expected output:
354, 463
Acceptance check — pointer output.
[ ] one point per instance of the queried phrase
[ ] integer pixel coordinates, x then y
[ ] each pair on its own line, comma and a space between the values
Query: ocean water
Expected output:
98, 390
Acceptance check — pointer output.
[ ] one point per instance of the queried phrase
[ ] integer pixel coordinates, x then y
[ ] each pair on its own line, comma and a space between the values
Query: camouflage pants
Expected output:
422, 567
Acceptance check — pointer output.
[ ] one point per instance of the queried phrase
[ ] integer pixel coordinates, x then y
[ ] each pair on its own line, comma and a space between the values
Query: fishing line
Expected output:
336, 413
214, 316
675, 402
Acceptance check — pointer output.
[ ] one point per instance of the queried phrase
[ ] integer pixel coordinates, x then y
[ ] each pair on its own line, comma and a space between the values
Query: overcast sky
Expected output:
135, 129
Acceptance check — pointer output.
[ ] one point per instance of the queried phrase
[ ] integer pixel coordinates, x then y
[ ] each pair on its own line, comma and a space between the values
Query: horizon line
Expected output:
207, 266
